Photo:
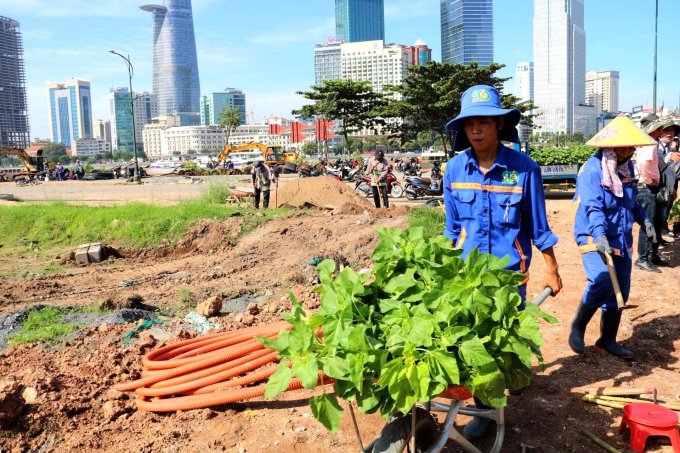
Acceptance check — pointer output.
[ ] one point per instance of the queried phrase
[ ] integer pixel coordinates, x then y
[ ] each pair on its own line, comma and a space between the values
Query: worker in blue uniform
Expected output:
606, 207
494, 196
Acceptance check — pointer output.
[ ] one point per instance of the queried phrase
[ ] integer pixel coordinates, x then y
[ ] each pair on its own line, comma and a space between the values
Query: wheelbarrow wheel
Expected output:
395, 435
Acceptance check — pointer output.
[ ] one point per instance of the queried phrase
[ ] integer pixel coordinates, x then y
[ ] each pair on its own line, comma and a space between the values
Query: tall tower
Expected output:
175, 66
70, 112
560, 67
14, 128
467, 31
524, 90
602, 90
213, 104
359, 20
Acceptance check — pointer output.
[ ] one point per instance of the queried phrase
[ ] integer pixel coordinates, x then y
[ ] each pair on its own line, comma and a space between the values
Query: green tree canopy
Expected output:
430, 97
229, 120
354, 103
309, 148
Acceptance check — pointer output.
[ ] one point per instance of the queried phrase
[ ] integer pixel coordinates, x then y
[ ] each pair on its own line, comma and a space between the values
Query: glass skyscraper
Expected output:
359, 20
213, 104
467, 31
175, 66
14, 130
560, 68
121, 121
70, 111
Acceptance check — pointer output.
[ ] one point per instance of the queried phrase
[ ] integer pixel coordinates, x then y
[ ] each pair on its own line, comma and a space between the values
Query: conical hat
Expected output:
620, 133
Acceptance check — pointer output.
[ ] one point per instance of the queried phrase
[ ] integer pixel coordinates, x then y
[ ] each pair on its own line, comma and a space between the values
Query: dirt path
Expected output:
73, 409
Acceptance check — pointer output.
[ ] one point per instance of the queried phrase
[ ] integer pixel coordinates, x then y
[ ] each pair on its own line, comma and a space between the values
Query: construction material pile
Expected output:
320, 192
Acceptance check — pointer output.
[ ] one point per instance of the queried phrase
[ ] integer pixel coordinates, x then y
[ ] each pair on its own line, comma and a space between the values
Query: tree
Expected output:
354, 103
54, 152
229, 120
309, 148
430, 97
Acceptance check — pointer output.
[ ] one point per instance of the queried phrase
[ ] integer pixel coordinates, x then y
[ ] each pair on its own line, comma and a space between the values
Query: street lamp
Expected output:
136, 177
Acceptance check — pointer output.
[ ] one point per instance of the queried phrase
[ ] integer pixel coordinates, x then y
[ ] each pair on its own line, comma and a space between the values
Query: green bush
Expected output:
562, 156
432, 220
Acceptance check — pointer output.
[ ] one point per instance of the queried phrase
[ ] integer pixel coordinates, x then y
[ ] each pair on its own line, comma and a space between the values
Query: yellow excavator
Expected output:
273, 154
32, 164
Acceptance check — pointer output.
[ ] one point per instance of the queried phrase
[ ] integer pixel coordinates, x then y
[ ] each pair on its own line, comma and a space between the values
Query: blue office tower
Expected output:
175, 66
467, 31
359, 20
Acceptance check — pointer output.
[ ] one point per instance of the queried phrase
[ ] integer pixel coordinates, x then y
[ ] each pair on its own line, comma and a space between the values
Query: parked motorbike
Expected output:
306, 170
418, 186
343, 172
363, 185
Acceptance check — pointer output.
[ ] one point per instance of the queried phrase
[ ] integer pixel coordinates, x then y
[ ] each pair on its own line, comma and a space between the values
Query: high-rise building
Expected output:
602, 90
559, 68
524, 90
419, 53
102, 131
121, 121
213, 104
175, 66
146, 108
467, 31
70, 112
379, 63
14, 128
524, 80
359, 20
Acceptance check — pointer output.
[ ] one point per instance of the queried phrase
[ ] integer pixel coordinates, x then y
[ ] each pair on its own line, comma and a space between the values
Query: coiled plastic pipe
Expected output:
205, 371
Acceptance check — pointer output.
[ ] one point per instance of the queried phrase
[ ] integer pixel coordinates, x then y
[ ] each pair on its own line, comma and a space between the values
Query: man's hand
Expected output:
649, 229
554, 281
603, 244
675, 157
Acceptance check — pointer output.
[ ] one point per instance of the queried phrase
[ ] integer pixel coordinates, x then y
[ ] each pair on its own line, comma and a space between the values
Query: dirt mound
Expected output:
319, 192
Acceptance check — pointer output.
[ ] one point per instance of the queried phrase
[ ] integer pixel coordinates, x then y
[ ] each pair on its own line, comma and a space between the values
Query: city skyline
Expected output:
272, 57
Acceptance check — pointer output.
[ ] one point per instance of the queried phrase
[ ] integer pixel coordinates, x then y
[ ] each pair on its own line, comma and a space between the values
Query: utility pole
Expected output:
656, 39
137, 177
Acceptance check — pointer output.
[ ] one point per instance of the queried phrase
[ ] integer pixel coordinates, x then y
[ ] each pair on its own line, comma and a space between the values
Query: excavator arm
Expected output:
29, 163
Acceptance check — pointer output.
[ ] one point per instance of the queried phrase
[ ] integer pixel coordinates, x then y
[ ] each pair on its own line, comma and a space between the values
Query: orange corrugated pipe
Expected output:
203, 371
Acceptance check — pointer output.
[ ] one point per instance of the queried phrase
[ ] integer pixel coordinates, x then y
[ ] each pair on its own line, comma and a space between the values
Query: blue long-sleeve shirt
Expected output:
502, 212
599, 211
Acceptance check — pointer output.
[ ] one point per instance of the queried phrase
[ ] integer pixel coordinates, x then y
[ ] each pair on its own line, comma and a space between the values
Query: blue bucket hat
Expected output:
483, 100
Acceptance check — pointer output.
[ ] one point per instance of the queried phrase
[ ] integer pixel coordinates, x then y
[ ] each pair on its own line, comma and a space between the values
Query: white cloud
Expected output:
83, 8
264, 103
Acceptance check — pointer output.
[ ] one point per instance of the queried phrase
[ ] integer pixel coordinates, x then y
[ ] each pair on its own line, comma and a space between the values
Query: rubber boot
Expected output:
584, 313
479, 426
609, 327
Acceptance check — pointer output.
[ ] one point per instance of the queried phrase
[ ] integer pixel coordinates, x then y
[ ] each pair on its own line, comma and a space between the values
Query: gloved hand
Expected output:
603, 244
649, 229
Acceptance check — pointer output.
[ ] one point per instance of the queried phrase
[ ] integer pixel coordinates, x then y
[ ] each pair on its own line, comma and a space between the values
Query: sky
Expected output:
266, 47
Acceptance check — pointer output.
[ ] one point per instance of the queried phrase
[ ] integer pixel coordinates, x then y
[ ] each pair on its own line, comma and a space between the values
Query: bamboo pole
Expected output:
616, 391
602, 444
673, 407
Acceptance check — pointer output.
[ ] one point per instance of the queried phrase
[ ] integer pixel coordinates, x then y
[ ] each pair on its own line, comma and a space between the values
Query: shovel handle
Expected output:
547, 291
615, 281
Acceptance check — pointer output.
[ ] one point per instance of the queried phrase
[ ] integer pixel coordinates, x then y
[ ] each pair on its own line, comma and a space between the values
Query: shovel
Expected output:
615, 281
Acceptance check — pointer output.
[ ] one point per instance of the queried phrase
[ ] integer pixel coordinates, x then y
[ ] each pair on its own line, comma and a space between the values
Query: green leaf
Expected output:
473, 353
279, 381
306, 369
327, 410
335, 367
448, 364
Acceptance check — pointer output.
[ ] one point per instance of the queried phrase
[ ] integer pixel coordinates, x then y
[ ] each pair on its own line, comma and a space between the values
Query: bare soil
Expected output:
70, 405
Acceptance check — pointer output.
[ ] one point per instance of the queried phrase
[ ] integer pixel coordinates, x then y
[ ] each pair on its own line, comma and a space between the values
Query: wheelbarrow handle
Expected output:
547, 291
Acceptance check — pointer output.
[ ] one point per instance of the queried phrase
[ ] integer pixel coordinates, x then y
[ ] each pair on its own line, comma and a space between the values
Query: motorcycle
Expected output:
343, 172
417, 186
363, 185
307, 171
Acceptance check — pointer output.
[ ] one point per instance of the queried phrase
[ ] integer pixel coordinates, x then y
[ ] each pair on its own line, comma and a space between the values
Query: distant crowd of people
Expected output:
63, 173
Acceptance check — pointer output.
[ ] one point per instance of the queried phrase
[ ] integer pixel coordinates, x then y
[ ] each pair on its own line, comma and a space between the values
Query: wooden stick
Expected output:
616, 391
602, 444
615, 281
593, 399
674, 407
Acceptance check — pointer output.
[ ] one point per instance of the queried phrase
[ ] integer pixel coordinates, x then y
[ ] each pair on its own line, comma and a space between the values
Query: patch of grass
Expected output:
216, 193
185, 299
432, 220
47, 324
130, 225
42, 325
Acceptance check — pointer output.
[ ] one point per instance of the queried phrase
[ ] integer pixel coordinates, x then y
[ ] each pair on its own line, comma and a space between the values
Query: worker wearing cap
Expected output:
606, 207
379, 169
493, 196
263, 177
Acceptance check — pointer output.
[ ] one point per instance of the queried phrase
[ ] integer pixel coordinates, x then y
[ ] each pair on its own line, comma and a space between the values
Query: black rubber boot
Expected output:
479, 426
609, 327
578, 327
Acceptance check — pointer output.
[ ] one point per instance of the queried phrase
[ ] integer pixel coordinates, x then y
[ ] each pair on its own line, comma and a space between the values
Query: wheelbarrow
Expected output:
396, 434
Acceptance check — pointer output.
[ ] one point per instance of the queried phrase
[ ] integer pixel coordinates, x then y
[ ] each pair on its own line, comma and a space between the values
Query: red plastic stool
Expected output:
646, 420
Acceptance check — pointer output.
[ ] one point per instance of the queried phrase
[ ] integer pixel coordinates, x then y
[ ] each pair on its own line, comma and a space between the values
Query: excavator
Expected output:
274, 155
32, 164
